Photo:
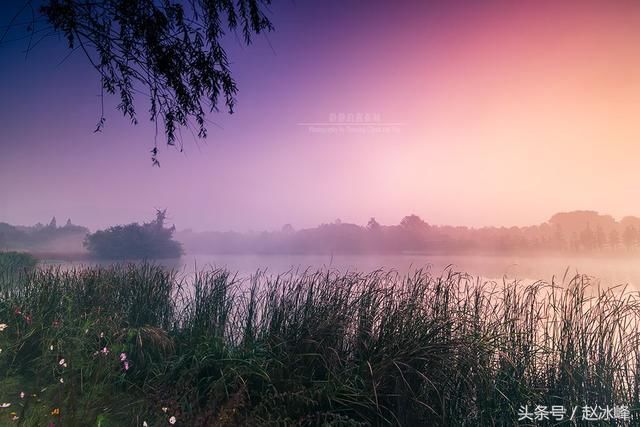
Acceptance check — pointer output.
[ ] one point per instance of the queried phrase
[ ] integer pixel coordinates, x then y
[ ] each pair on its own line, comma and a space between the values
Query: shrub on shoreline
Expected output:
151, 240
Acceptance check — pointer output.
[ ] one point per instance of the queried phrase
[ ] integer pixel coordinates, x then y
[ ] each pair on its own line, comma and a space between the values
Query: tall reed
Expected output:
310, 348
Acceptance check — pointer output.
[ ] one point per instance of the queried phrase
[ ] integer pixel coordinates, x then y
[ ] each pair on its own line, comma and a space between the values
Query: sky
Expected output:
467, 113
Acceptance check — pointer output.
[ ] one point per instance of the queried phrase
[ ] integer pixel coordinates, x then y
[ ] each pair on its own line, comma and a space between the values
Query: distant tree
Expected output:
150, 240
413, 223
574, 243
68, 224
53, 223
587, 238
629, 237
630, 221
559, 240
411, 234
614, 239
578, 221
537, 243
600, 238
373, 225
168, 50
287, 229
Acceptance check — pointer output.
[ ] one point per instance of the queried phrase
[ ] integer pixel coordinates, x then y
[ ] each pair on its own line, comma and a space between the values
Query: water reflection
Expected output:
609, 271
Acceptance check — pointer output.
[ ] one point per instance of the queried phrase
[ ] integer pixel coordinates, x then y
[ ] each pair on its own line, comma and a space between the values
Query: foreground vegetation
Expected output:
16, 262
137, 345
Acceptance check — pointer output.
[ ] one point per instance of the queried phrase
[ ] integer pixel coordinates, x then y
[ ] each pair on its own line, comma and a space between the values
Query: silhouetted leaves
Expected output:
168, 50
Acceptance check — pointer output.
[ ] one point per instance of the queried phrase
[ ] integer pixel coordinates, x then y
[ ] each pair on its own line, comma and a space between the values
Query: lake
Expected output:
609, 271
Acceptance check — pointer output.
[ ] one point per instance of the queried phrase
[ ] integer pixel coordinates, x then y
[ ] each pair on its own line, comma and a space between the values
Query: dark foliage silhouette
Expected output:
168, 50
151, 240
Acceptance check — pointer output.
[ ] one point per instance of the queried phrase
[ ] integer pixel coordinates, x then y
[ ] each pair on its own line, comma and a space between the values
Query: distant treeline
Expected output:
44, 238
149, 240
571, 232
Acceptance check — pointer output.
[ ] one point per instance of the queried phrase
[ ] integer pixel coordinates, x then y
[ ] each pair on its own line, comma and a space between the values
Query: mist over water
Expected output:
579, 242
604, 271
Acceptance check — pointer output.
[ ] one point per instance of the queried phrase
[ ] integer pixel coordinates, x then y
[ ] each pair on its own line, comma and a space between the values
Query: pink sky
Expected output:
509, 112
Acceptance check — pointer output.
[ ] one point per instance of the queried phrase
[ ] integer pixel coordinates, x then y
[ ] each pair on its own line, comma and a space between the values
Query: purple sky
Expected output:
465, 86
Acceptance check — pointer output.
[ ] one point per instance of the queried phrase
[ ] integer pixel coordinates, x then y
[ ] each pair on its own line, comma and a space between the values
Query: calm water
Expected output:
609, 271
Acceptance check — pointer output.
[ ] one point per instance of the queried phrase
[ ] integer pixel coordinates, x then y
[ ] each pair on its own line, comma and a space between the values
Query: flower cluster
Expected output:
172, 419
26, 316
125, 362
3, 326
61, 363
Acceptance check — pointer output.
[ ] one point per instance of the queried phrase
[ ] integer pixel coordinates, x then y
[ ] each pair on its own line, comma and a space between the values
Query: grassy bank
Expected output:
132, 344
16, 262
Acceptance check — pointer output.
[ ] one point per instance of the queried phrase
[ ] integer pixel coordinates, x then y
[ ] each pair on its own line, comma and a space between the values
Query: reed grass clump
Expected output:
128, 344
12, 263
